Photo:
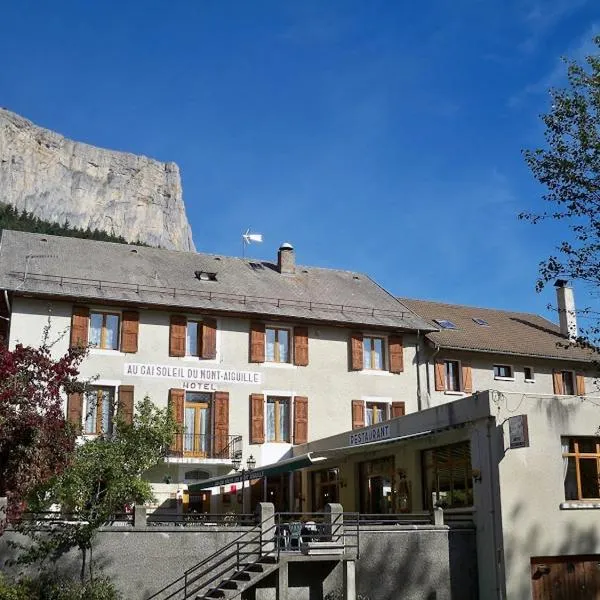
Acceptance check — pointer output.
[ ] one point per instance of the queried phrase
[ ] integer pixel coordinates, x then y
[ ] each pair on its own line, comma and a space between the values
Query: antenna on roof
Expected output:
248, 238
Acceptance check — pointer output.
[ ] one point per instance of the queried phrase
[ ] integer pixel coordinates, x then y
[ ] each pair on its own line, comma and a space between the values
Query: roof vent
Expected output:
286, 259
205, 276
44, 240
134, 251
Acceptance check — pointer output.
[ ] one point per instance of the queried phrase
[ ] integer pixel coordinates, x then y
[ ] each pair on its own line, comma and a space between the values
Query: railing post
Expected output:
266, 512
438, 516
334, 522
139, 516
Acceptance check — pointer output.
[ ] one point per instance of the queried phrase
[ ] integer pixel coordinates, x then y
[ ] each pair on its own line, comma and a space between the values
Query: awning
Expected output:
283, 466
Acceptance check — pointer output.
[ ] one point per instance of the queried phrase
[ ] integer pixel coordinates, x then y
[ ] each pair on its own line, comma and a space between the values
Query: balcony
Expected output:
208, 447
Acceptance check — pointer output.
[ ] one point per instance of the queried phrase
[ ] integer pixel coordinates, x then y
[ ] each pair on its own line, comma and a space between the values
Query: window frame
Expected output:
112, 391
198, 323
573, 382
532, 371
276, 355
447, 379
499, 377
276, 428
384, 404
384, 352
578, 456
106, 313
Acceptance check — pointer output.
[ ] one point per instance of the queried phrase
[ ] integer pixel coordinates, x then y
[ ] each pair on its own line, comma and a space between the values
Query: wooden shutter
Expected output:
257, 419
257, 342
125, 406
396, 354
221, 420
208, 338
398, 409
467, 378
557, 381
356, 351
177, 335
301, 346
358, 414
129, 331
75, 409
176, 405
440, 375
300, 419
580, 383
80, 322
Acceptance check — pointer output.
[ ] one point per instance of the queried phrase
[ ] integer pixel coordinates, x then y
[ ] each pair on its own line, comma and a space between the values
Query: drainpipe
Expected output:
494, 512
418, 360
432, 357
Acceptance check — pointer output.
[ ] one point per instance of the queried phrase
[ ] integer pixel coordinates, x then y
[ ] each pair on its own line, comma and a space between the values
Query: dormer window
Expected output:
205, 276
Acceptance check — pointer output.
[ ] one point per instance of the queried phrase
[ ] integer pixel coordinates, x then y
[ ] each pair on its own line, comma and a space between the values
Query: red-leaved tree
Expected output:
36, 441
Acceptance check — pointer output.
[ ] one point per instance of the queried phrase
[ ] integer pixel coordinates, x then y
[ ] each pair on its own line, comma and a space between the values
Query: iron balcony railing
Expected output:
200, 445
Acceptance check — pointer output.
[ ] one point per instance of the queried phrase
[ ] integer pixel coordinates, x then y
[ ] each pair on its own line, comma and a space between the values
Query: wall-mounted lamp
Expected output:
476, 475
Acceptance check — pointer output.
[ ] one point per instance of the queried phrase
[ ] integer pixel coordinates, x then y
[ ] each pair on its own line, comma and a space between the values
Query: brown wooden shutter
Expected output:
257, 343
467, 378
125, 406
300, 419
356, 351
301, 346
221, 420
176, 405
358, 414
208, 339
580, 384
257, 419
558, 383
75, 409
398, 409
177, 335
80, 322
129, 331
440, 376
396, 354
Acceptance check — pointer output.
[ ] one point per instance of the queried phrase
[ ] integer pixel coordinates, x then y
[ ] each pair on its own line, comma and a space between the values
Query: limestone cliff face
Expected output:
58, 179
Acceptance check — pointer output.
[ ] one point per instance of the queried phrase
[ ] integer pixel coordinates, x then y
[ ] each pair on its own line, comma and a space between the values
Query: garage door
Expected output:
565, 577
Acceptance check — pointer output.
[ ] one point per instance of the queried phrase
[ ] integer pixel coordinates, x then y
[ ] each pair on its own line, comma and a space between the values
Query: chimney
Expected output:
566, 308
286, 261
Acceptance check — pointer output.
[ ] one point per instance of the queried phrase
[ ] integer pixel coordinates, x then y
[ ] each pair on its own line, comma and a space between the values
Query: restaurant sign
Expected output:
191, 375
373, 434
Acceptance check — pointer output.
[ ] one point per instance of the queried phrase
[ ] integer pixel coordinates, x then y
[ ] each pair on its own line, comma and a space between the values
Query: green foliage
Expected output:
50, 586
105, 476
10, 218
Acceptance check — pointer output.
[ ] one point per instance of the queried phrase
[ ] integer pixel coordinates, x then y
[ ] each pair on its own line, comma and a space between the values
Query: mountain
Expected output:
59, 180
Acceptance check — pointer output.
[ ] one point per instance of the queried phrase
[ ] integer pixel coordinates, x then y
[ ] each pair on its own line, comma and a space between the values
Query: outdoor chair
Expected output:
295, 537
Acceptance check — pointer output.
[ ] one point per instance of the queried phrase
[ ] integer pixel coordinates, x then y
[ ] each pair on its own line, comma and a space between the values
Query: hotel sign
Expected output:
193, 375
373, 434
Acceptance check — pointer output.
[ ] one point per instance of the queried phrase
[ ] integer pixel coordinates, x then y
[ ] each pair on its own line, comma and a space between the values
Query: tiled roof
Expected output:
507, 332
70, 267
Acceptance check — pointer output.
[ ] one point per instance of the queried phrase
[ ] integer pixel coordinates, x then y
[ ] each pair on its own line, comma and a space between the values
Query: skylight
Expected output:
481, 322
445, 324
205, 276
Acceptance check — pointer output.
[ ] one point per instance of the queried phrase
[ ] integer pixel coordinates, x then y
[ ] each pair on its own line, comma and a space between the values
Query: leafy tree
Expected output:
569, 168
105, 476
36, 441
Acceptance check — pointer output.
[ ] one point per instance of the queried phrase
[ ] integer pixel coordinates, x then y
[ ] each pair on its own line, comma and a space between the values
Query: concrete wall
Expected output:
409, 563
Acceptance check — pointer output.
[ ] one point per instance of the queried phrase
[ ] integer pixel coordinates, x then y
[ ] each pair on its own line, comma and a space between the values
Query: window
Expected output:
278, 419
445, 324
373, 353
503, 372
99, 404
529, 374
278, 345
452, 368
481, 322
447, 475
581, 456
376, 412
568, 383
325, 488
196, 436
104, 330
191, 341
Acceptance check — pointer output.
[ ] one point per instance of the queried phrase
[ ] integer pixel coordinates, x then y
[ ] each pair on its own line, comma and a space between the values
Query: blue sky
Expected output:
377, 136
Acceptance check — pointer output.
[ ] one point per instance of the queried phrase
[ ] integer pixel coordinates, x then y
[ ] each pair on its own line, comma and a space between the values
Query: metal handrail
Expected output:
205, 445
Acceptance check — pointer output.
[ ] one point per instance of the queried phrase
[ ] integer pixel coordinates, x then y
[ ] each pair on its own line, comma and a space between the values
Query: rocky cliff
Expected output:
60, 180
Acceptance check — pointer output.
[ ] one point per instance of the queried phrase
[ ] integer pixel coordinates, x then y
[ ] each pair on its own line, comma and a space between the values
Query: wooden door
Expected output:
565, 578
